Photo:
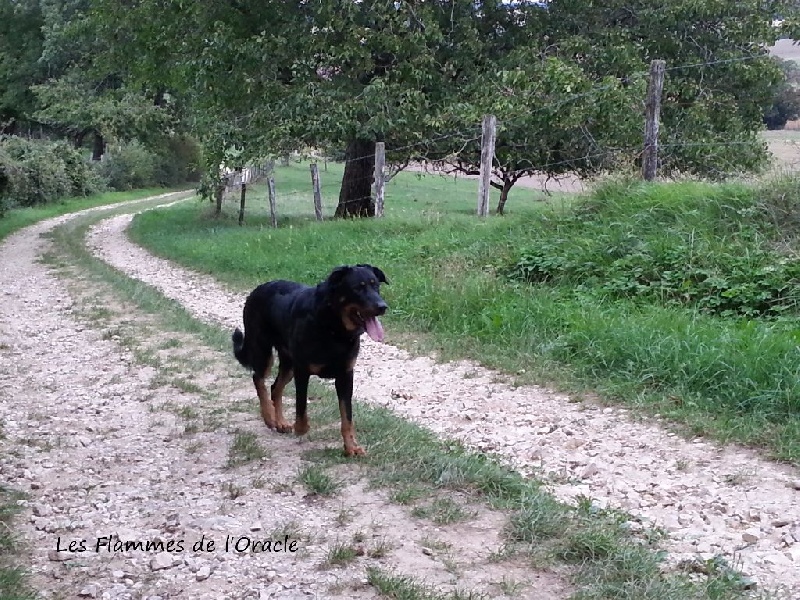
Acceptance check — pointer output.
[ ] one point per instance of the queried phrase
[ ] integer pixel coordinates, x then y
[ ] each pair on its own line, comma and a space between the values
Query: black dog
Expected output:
316, 331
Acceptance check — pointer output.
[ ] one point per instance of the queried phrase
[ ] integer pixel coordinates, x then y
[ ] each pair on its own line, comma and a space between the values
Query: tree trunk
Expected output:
98, 146
501, 205
355, 196
77, 141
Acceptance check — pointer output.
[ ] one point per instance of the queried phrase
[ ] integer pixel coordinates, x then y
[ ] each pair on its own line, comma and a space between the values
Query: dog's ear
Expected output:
336, 276
378, 273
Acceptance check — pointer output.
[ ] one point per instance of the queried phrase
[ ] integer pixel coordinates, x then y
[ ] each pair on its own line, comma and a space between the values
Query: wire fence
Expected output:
426, 154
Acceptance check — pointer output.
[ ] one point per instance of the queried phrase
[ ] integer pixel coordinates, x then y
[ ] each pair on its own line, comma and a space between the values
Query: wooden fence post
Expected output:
271, 188
241, 203
655, 88
380, 181
487, 154
317, 192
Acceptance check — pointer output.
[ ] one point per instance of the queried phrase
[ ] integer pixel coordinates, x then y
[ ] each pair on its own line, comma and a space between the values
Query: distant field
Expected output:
785, 144
785, 147
786, 49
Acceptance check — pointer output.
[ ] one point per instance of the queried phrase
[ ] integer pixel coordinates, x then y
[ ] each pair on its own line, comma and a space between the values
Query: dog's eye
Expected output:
363, 284
372, 282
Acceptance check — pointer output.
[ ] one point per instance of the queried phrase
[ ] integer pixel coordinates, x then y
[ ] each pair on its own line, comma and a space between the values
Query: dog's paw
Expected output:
301, 427
356, 450
283, 427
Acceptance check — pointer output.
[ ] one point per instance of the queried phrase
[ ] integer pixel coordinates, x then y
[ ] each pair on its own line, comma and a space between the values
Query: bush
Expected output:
178, 162
39, 172
786, 101
128, 167
36, 175
83, 177
133, 165
703, 250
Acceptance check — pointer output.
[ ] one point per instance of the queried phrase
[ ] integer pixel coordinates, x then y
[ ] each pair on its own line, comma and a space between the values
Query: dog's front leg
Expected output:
301, 377
344, 391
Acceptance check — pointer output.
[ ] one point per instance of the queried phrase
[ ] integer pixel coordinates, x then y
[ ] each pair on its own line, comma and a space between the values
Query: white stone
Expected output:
203, 573
162, 560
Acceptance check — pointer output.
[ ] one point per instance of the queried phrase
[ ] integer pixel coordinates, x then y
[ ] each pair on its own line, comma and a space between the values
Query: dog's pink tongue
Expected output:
374, 329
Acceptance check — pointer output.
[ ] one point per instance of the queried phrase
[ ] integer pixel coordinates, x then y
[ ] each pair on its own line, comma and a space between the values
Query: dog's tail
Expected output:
239, 348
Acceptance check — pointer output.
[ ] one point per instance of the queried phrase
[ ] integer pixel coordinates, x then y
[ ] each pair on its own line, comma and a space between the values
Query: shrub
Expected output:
709, 252
84, 179
127, 167
36, 175
177, 162
39, 172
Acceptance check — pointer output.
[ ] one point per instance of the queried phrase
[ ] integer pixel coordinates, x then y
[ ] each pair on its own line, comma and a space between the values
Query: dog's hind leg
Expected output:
260, 373
344, 391
285, 375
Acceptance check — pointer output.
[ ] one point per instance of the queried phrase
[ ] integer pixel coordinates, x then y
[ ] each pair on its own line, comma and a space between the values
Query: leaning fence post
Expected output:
380, 183
487, 154
655, 88
317, 192
272, 212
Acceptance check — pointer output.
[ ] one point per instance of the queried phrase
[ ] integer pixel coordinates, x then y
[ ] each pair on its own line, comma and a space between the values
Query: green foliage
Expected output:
20, 48
40, 172
786, 102
128, 167
553, 118
78, 105
178, 161
720, 77
133, 165
701, 252
566, 80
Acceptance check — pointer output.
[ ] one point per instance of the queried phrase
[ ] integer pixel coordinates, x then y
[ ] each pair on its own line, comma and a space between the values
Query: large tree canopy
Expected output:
266, 76
720, 78
564, 77
20, 48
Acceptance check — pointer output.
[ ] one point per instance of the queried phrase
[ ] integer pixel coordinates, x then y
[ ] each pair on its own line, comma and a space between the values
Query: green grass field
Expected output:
729, 376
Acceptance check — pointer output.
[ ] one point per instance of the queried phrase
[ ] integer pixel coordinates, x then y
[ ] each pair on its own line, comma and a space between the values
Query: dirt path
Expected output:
113, 442
710, 500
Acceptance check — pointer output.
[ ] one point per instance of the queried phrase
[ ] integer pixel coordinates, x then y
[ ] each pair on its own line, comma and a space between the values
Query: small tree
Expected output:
786, 102
552, 120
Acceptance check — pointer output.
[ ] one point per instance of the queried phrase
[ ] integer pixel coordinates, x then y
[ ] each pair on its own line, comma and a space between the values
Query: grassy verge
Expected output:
17, 218
12, 578
606, 558
729, 374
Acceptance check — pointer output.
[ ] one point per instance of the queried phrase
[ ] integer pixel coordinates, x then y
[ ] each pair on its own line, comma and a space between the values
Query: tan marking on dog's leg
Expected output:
264, 401
301, 426
351, 448
284, 377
